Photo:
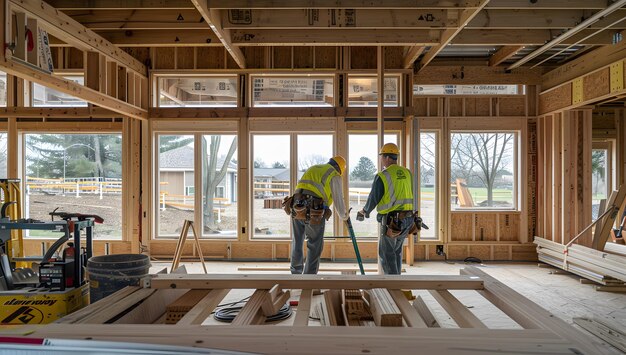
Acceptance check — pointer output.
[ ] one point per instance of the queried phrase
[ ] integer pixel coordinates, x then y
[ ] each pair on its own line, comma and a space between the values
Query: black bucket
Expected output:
110, 273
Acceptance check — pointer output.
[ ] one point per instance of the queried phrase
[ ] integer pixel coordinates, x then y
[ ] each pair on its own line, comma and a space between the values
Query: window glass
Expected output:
315, 149
363, 91
428, 184
468, 90
176, 185
3, 155
599, 178
292, 91
483, 170
271, 183
198, 91
45, 96
3, 89
363, 167
75, 173
219, 184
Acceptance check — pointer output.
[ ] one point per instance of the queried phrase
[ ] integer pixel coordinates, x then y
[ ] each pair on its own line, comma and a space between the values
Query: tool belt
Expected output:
305, 207
396, 223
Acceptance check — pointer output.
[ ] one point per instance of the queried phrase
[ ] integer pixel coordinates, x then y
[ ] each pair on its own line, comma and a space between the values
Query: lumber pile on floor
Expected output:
602, 267
604, 329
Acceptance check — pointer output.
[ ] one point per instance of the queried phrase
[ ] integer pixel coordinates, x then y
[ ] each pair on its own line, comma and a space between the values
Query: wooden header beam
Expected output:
121, 4
448, 35
139, 19
214, 19
341, 4
69, 30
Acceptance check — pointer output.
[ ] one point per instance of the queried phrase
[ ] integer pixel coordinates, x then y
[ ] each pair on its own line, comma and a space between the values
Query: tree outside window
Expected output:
482, 170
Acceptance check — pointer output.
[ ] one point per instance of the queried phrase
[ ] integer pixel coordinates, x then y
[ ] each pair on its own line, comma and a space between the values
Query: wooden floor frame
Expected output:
539, 332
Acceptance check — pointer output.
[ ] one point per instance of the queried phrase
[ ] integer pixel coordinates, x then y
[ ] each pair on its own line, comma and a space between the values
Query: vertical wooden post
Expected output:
380, 54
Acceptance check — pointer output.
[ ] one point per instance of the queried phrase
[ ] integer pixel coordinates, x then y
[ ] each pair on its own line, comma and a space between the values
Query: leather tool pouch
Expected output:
394, 225
287, 203
327, 213
316, 216
299, 207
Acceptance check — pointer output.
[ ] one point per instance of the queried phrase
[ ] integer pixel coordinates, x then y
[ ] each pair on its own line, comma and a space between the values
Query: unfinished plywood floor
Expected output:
561, 294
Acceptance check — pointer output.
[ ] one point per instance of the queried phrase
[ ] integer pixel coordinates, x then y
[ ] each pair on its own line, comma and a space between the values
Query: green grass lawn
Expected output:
479, 194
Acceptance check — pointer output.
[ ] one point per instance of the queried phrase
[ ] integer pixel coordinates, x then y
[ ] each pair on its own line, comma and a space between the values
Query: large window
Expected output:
428, 184
176, 183
74, 173
601, 174
271, 180
277, 91
3, 89
363, 167
198, 91
315, 149
44, 96
3, 155
219, 185
483, 170
363, 91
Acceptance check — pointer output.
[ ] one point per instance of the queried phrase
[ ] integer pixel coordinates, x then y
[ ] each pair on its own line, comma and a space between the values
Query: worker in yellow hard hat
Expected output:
392, 196
316, 191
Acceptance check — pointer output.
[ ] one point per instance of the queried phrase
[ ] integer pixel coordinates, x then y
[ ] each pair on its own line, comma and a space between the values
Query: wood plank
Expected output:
151, 309
204, 307
235, 281
177, 309
340, 4
424, 312
533, 312
113, 310
332, 308
504, 53
384, 309
95, 307
275, 300
252, 313
304, 308
410, 314
457, 310
604, 329
601, 239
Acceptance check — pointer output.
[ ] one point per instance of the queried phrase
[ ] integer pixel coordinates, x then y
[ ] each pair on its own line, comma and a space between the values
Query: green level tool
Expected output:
355, 245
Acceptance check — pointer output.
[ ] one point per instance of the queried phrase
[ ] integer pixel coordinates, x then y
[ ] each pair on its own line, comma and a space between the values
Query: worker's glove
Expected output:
360, 216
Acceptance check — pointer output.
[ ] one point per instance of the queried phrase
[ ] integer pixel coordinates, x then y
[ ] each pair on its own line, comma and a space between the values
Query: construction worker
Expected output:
392, 195
316, 191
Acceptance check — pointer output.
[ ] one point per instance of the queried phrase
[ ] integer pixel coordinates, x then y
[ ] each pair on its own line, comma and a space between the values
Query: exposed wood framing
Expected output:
448, 35
214, 19
503, 54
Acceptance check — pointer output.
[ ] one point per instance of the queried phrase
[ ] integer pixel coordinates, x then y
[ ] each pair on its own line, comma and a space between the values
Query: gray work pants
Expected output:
315, 244
390, 249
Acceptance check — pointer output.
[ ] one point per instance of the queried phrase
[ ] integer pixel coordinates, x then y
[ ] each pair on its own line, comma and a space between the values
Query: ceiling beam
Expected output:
549, 4
341, 4
214, 19
503, 54
411, 56
70, 31
572, 32
139, 19
465, 16
353, 18
525, 37
155, 38
121, 4
335, 38
540, 19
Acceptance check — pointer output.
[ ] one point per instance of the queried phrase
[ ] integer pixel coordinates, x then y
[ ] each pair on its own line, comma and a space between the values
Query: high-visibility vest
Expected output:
398, 194
317, 179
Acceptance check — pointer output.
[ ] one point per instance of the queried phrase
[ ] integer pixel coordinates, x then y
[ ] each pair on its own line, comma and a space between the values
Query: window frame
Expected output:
65, 75
438, 184
399, 88
250, 91
157, 88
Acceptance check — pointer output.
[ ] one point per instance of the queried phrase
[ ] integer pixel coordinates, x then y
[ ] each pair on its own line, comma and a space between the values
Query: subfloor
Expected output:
561, 294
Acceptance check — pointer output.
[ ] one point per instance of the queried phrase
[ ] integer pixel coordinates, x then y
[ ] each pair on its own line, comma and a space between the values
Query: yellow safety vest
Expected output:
317, 179
398, 194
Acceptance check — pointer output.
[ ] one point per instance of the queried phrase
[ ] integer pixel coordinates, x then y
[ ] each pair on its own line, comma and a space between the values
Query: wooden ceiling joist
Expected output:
411, 56
159, 38
170, 19
540, 19
503, 54
65, 28
214, 19
121, 4
334, 38
465, 16
550, 4
526, 37
341, 4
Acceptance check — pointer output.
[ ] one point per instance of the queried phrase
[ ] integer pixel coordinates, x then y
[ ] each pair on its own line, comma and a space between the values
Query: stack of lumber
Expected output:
603, 267
604, 329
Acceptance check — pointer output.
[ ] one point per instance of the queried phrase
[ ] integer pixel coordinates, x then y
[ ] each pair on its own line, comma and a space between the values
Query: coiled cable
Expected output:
228, 314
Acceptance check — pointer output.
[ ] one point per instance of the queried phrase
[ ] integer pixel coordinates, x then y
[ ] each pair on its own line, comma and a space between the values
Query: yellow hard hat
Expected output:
341, 163
389, 148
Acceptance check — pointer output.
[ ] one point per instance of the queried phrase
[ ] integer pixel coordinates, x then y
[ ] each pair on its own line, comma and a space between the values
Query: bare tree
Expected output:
427, 155
310, 160
489, 153
213, 176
